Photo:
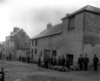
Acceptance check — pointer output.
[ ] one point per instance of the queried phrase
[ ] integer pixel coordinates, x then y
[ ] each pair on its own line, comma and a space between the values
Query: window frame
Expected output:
35, 51
32, 51
35, 42
70, 19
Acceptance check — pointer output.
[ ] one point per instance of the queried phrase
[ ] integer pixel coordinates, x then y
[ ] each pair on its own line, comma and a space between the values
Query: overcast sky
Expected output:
33, 15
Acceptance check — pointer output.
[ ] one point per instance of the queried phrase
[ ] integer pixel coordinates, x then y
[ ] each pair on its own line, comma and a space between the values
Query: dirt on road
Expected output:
18, 71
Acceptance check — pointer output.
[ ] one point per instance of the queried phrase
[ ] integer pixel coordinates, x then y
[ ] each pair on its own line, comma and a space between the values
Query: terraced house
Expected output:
79, 33
17, 44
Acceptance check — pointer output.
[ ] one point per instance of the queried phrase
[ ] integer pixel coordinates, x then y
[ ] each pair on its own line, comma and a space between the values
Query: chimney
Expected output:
16, 29
63, 19
67, 14
11, 33
49, 25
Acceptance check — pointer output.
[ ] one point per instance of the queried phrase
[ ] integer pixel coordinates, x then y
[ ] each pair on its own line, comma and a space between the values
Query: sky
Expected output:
34, 15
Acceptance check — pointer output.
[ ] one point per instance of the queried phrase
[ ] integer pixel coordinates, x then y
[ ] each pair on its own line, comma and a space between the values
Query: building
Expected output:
17, 44
79, 33
3, 50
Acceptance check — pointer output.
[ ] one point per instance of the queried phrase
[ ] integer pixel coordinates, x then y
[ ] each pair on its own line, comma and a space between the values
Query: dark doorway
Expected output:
46, 54
70, 56
54, 53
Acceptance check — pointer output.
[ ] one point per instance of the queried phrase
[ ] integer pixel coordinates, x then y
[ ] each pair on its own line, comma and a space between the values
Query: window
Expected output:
93, 42
41, 53
32, 51
71, 23
32, 42
35, 51
35, 42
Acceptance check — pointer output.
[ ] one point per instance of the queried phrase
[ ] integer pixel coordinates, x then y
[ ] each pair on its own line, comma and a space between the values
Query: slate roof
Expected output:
56, 29
86, 8
15, 33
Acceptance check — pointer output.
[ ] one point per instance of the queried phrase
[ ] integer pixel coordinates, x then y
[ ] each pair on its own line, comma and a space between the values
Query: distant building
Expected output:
1, 50
4, 50
79, 33
18, 43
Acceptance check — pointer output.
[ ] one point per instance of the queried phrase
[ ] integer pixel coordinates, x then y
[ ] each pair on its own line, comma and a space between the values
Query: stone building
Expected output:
17, 44
79, 33
3, 50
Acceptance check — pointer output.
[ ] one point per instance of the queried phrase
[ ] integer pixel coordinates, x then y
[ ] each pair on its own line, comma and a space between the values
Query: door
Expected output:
70, 56
54, 53
46, 54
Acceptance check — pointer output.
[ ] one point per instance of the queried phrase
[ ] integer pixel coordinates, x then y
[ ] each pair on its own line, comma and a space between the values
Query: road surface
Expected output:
18, 71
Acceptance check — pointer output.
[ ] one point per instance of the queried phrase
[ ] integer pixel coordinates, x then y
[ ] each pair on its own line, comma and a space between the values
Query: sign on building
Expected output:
92, 29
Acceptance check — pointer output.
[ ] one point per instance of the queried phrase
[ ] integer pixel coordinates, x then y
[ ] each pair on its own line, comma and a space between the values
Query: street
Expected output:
18, 71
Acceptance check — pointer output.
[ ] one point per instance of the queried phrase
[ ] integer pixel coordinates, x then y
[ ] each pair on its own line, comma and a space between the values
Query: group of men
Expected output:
25, 59
61, 61
9, 57
83, 62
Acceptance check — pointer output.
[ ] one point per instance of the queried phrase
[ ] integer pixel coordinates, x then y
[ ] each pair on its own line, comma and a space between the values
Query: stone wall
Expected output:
92, 35
69, 42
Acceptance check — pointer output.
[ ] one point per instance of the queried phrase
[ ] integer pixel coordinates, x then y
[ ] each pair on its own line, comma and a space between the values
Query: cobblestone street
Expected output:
17, 71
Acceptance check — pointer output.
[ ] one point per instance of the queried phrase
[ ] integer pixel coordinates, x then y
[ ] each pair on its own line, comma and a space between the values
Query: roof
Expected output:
86, 8
56, 29
20, 33
15, 32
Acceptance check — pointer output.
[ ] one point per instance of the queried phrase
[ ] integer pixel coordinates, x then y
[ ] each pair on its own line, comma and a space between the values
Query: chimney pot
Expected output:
49, 25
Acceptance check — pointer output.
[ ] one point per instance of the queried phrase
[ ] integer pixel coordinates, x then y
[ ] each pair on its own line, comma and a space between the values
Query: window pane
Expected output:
71, 22
35, 42
35, 51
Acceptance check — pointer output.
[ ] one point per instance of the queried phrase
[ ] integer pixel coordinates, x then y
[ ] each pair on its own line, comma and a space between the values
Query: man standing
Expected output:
63, 61
59, 61
68, 63
39, 61
80, 62
86, 61
51, 60
46, 62
95, 61
55, 61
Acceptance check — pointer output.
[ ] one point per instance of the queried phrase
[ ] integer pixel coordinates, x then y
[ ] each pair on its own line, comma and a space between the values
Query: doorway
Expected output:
46, 54
54, 53
70, 56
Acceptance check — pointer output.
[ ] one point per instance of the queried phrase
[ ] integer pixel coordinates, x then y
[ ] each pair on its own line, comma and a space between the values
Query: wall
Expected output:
24, 42
50, 43
73, 39
92, 32
21, 53
69, 42
18, 41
